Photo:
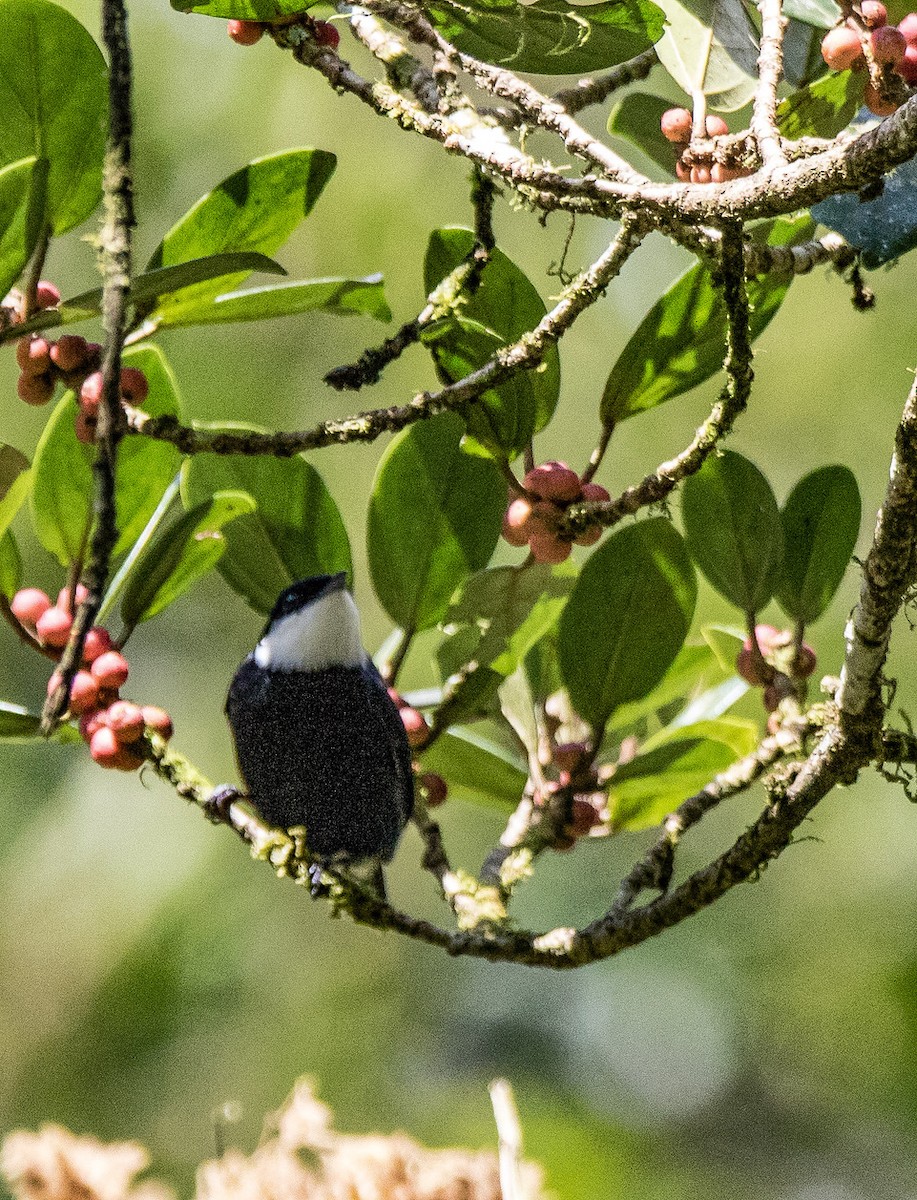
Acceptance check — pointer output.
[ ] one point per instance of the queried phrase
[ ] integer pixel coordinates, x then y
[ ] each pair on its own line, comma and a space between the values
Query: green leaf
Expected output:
295, 531
627, 619
821, 521
637, 118
179, 556
15, 481
823, 14
733, 530
476, 769
54, 97
681, 341
725, 641
823, 108
434, 517
343, 297
505, 306
711, 46
694, 669
549, 37
243, 10
17, 232
19, 725
256, 208
645, 790
10, 566
62, 489
739, 734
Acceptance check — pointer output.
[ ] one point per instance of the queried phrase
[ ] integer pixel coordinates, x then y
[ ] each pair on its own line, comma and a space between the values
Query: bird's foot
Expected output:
217, 804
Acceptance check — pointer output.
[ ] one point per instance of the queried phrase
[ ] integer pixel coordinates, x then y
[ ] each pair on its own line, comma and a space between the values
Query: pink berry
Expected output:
157, 720
126, 722
715, 126
553, 481
29, 604
877, 104
98, 642
701, 175
767, 637
720, 173
53, 627
415, 727
68, 352
91, 721
91, 394
134, 385
874, 13
683, 172
46, 294
245, 33
32, 356
676, 125
35, 389
326, 34
84, 693
908, 26
568, 755
111, 669
907, 68
107, 751
547, 547
888, 45
516, 521
80, 596
435, 788
589, 537
395, 697
595, 493
841, 48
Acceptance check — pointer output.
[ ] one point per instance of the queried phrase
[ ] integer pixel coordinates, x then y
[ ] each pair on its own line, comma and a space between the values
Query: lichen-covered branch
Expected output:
587, 92
770, 68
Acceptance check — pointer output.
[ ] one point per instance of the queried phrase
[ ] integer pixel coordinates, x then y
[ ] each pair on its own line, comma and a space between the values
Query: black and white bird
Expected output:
319, 741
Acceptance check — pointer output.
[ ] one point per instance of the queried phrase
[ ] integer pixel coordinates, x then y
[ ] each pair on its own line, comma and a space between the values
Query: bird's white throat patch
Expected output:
326, 633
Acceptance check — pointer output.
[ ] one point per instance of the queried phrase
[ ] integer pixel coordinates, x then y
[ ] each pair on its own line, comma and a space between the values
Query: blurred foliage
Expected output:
148, 973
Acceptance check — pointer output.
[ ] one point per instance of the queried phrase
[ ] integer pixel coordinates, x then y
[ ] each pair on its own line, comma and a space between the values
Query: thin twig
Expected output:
593, 91
509, 1139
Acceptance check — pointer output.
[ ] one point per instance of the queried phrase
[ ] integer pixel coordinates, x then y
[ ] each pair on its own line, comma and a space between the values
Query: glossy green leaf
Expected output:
180, 555
694, 669
823, 14
680, 342
549, 37
244, 10
645, 790
10, 566
17, 231
62, 489
738, 733
637, 118
627, 619
256, 208
54, 97
823, 108
476, 769
434, 517
733, 530
342, 297
296, 530
505, 306
711, 46
821, 521
15, 481
725, 641
19, 725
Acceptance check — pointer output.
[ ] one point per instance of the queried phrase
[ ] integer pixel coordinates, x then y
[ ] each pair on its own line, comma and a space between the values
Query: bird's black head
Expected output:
299, 595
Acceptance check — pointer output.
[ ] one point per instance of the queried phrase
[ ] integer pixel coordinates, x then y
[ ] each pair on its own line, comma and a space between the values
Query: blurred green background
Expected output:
149, 972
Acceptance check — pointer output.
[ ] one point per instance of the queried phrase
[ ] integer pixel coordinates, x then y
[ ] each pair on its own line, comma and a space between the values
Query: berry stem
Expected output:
595, 458
36, 267
390, 669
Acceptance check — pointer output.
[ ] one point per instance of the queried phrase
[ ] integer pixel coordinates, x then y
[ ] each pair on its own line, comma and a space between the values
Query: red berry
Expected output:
878, 104
874, 13
85, 429
589, 537
676, 125
91, 721
108, 752
415, 726
68, 352
547, 547
908, 27
126, 722
720, 173
516, 521
595, 493
46, 295
35, 389
435, 788
134, 385
805, 661
32, 356
53, 627
553, 481
583, 816
98, 642
157, 720
111, 669
326, 34
91, 394
771, 698
29, 604
84, 693
700, 175
907, 68
715, 126
683, 172
841, 48
767, 636
568, 755
80, 595
245, 33
888, 45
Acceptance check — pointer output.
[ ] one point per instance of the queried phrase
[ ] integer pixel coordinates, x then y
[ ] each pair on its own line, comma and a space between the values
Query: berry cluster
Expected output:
890, 46
677, 125
248, 33
434, 787
588, 809
533, 519
111, 726
778, 664
75, 362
